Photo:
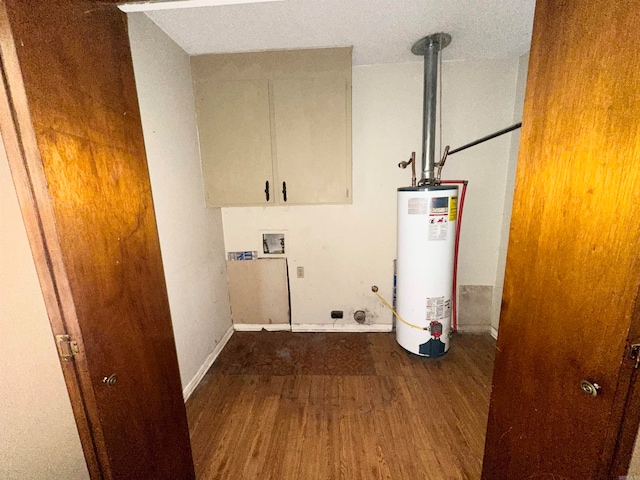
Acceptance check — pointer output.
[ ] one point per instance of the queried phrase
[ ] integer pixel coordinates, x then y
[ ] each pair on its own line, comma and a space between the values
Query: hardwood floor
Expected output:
282, 405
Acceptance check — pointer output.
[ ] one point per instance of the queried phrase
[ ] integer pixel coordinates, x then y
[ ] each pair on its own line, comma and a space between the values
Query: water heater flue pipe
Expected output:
429, 47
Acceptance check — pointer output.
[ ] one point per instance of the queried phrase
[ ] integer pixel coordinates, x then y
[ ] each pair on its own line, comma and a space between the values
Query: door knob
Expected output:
589, 388
111, 380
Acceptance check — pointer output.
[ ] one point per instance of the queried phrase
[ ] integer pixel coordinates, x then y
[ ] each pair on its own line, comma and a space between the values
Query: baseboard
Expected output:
195, 381
330, 327
474, 328
256, 327
494, 332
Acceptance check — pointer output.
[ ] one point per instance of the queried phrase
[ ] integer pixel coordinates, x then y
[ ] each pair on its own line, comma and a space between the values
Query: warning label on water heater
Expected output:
417, 206
438, 219
437, 231
438, 309
453, 209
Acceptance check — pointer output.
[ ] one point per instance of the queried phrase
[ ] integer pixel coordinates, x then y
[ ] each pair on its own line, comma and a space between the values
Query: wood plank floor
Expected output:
282, 405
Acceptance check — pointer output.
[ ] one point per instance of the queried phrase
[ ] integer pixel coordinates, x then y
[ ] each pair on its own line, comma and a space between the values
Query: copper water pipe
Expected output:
412, 162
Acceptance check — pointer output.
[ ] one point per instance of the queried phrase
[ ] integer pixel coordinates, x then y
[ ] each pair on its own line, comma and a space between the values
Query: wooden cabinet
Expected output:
275, 127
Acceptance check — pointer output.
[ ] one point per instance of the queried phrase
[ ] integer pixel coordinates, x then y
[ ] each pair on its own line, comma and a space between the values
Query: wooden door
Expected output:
70, 120
573, 265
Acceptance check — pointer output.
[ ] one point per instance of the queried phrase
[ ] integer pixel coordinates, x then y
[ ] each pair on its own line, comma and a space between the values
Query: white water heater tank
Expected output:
426, 241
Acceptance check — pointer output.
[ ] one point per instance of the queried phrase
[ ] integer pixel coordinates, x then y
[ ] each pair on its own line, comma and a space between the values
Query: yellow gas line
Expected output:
374, 289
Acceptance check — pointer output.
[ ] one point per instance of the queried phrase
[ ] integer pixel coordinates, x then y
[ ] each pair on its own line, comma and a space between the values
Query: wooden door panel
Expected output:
81, 137
573, 266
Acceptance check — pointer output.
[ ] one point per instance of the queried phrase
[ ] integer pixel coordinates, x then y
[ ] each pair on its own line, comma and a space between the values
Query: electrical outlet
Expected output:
300, 272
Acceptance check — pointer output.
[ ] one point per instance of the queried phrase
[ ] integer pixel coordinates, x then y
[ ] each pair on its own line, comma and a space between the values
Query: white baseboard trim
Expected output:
195, 381
474, 328
256, 327
329, 327
494, 332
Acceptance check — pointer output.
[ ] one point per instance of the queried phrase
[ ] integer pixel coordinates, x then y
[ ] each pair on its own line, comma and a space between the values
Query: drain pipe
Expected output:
428, 47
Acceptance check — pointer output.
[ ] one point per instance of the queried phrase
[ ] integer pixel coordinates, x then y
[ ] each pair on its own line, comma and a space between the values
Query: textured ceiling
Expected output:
381, 31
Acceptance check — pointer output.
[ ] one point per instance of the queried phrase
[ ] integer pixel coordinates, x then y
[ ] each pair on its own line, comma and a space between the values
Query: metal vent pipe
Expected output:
428, 47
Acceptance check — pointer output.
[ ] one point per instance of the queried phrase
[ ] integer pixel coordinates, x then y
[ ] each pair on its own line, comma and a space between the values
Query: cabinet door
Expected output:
313, 140
235, 142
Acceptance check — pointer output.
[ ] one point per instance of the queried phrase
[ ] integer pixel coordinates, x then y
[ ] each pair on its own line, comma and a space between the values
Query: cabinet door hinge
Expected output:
67, 348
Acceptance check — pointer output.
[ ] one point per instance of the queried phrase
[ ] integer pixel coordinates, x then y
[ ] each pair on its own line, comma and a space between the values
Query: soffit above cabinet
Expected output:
272, 64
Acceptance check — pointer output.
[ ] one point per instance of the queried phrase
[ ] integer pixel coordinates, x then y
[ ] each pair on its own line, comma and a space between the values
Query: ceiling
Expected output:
380, 31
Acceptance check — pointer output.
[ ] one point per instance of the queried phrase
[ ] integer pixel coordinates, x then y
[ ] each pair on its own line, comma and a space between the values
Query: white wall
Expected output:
478, 99
38, 435
634, 466
523, 66
191, 236
348, 248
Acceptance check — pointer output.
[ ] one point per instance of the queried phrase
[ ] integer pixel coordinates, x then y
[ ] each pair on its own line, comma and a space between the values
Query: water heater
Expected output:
426, 241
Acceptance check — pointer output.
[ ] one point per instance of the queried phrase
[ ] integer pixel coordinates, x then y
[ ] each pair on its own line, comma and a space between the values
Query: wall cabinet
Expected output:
275, 127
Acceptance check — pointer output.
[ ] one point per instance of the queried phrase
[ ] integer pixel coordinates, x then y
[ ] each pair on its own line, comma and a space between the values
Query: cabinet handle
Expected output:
266, 190
284, 191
